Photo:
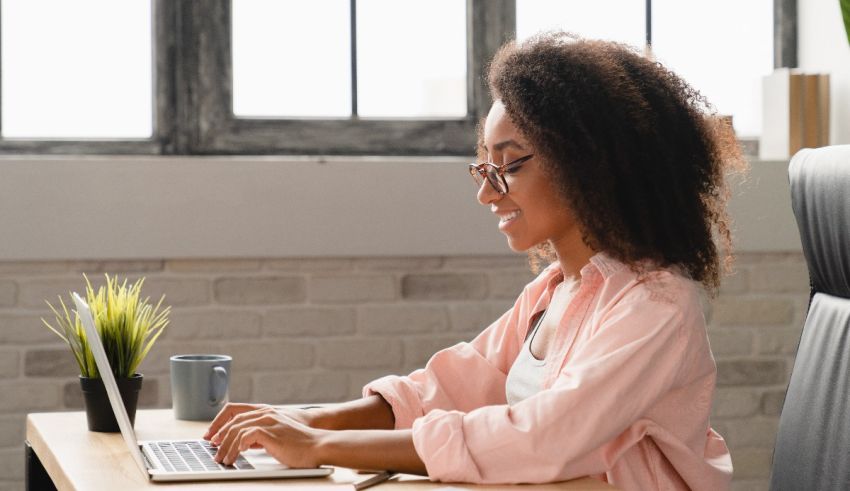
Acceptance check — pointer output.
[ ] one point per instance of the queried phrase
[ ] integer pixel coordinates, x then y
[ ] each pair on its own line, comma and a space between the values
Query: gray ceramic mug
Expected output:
199, 385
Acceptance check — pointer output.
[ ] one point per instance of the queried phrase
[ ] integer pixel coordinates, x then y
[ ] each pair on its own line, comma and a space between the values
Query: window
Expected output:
396, 77
726, 65
58, 66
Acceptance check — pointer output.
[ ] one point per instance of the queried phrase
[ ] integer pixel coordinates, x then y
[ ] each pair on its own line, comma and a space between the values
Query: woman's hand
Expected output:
232, 409
239, 427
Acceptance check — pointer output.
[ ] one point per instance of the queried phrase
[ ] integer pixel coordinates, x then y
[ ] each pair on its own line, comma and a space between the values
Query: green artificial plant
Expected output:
845, 14
128, 326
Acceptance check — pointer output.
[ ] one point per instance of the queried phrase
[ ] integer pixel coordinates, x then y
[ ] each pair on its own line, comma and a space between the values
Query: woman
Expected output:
609, 165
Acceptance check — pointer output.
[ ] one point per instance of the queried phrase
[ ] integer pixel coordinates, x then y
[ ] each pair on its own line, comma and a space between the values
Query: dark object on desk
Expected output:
99, 412
814, 430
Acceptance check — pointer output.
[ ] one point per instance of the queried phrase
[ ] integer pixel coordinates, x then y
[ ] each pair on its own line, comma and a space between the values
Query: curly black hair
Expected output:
638, 154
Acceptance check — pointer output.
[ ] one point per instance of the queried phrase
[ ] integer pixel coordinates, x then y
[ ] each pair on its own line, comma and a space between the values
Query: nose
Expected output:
486, 193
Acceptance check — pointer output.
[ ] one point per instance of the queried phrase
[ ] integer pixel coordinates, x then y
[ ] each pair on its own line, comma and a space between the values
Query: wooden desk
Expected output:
78, 459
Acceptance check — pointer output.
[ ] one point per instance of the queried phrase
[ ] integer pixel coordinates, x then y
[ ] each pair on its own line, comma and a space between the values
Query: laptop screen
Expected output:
103, 367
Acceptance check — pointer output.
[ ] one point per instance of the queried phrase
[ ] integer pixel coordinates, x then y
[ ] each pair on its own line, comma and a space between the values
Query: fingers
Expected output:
244, 414
229, 434
247, 438
228, 411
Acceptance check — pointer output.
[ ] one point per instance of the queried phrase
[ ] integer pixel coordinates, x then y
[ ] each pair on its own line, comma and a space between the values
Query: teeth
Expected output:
510, 216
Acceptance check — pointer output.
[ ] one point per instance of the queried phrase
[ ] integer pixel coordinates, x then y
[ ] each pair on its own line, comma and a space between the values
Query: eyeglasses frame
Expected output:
479, 169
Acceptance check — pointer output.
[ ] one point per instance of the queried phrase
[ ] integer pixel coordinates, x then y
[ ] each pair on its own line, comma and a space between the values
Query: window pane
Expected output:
411, 58
722, 48
615, 20
78, 69
291, 58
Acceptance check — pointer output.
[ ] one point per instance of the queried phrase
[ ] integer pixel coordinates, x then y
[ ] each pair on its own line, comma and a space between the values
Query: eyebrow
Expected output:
504, 144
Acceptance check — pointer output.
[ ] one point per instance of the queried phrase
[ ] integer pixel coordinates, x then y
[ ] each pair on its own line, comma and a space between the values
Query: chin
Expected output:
518, 246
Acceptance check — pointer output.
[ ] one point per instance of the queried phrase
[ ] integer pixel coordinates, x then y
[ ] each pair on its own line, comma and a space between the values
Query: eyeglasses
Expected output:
495, 174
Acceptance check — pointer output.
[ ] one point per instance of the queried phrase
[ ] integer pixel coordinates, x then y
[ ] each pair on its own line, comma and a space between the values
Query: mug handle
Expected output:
218, 385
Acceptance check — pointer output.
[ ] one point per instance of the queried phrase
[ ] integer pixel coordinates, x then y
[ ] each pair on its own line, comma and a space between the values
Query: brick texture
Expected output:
8, 293
32, 293
771, 402
212, 324
212, 265
9, 364
29, 395
359, 378
751, 462
12, 463
178, 292
778, 341
361, 353
735, 403
260, 291
739, 311
418, 350
398, 263
158, 359
334, 264
309, 321
270, 355
509, 284
736, 282
338, 288
780, 278
750, 372
27, 329
446, 286
477, 316
401, 319
751, 432
50, 363
297, 388
318, 329
97, 268
730, 341
12, 430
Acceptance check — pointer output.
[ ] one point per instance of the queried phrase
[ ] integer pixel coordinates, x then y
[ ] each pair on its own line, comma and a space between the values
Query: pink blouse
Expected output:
626, 397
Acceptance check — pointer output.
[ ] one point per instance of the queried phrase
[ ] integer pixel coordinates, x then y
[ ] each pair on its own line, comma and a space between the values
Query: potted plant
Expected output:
128, 327
845, 14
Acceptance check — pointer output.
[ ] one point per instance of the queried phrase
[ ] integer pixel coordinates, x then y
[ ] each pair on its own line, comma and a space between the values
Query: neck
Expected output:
573, 254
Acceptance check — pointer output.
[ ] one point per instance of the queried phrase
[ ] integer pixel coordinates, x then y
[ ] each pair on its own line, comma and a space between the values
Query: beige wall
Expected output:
317, 329
179, 207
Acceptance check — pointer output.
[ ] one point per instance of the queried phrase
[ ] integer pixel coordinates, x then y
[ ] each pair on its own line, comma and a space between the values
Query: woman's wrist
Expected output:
323, 418
325, 448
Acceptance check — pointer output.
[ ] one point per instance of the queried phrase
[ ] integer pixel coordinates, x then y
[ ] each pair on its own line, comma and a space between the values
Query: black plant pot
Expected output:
98, 410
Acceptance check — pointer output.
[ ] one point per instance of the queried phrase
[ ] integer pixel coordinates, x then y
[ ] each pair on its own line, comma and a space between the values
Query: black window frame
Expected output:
192, 79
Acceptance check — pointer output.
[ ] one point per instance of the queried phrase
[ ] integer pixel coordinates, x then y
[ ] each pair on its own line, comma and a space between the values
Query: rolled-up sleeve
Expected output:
462, 377
580, 425
466, 376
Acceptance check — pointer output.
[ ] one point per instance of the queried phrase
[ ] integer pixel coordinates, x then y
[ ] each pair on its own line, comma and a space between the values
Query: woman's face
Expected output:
532, 212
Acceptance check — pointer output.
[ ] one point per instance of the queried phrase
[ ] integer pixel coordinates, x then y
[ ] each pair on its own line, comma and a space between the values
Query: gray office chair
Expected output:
812, 449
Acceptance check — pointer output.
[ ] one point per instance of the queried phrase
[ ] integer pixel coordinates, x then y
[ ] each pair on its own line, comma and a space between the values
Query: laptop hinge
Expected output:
148, 462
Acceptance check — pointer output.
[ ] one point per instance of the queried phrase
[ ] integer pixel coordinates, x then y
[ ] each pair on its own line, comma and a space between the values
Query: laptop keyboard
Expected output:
193, 456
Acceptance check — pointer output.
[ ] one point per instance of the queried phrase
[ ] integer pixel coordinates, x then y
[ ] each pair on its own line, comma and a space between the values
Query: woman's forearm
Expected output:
371, 449
368, 413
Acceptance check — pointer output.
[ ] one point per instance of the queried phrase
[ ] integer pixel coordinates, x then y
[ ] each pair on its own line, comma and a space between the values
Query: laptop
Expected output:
181, 460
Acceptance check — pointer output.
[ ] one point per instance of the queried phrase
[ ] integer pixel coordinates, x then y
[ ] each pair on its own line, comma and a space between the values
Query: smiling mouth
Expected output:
507, 218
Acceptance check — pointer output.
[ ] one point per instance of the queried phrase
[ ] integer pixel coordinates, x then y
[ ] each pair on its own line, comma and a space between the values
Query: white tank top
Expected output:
525, 377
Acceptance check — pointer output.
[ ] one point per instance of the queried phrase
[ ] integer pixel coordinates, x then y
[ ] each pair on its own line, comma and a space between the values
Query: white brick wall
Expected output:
304, 330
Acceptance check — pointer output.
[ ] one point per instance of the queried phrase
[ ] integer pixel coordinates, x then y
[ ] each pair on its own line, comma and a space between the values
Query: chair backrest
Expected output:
813, 443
